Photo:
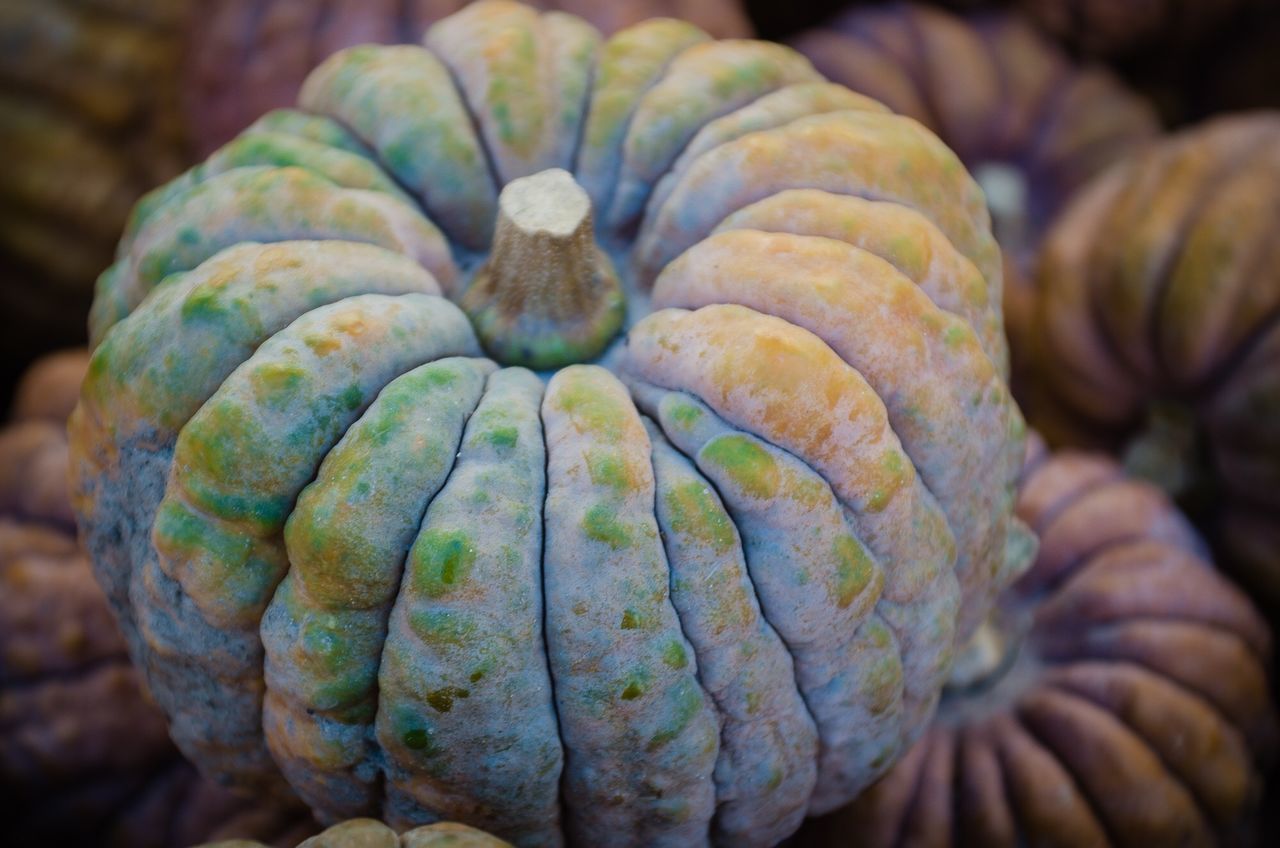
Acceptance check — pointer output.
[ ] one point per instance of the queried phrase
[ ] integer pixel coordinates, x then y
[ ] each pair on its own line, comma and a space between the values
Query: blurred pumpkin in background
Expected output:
1117, 697
1031, 125
1156, 331
86, 758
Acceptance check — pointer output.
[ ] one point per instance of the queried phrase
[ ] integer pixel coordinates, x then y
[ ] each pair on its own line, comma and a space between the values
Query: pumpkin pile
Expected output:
85, 758
1117, 696
248, 57
1156, 333
700, 577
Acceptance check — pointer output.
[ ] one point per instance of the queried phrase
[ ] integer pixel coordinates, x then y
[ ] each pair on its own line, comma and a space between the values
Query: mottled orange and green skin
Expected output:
1155, 330
688, 594
1129, 702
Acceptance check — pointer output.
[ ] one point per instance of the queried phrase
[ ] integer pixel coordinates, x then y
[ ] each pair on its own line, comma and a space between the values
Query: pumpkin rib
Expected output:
598, 172
756, 807
175, 242
324, 628
453, 178
1268, 325
244, 553
1245, 705
1096, 830
1089, 598
1165, 794
753, 117
794, 165
956, 288
1106, 278
736, 73
1198, 779
250, 149
127, 396
461, 634
1111, 513
646, 763
752, 269
1041, 516
745, 470
1206, 192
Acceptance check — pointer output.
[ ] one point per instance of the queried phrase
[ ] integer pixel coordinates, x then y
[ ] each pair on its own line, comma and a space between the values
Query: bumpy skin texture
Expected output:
1033, 126
88, 122
689, 594
249, 57
1156, 331
368, 833
86, 758
1108, 28
1136, 709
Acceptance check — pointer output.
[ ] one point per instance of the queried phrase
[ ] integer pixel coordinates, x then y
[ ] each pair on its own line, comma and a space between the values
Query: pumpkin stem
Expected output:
1167, 450
1005, 189
547, 296
981, 661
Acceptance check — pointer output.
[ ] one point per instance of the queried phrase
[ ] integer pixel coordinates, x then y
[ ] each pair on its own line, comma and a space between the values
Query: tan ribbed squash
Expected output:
687, 594
1118, 696
1157, 331
247, 57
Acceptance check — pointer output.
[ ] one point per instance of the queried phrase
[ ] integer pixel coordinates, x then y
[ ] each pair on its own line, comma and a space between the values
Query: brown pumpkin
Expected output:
1119, 696
248, 57
1157, 335
1031, 125
88, 121
86, 757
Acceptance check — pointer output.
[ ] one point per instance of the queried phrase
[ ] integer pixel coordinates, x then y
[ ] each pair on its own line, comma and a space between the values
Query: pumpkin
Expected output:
1033, 126
89, 109
87, 759
1118, 696
248, 57
1098, 26
699, 577
1156, 335
368, 833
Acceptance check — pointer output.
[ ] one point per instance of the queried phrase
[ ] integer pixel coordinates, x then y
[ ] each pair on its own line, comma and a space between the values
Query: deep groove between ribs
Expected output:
373, 750
562, 795
684, 633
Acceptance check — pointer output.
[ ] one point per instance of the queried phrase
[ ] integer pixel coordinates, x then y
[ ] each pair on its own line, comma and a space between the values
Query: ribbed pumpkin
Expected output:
86, 759
248, 57
1118, 696
368, 833
689, 593
88, 121
1156, 331
1032, 126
